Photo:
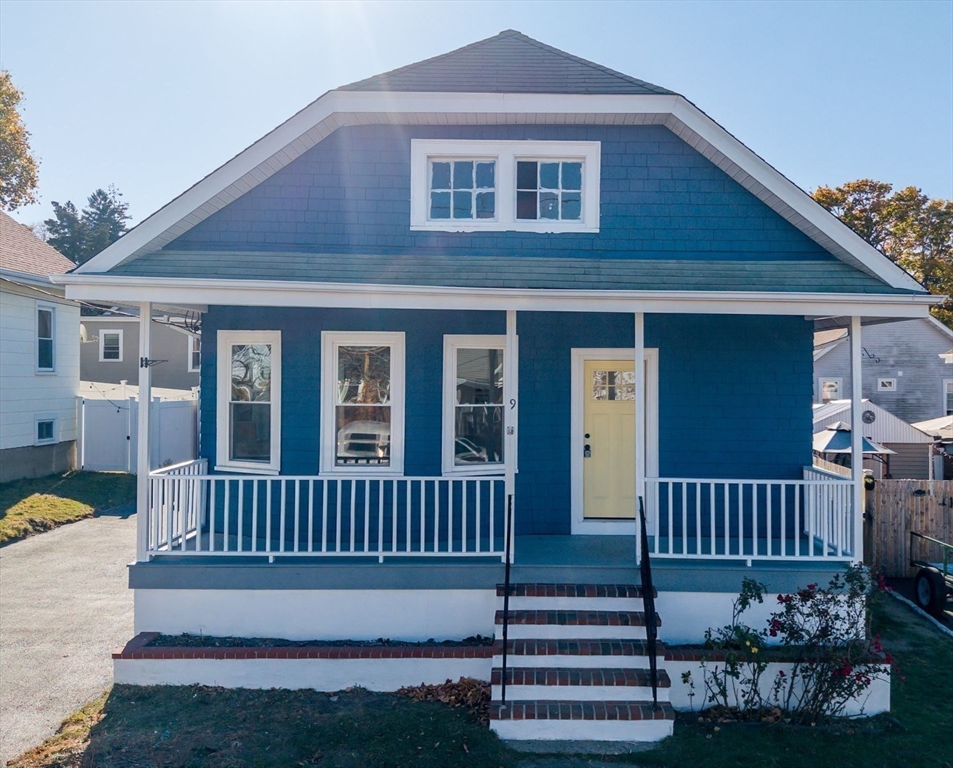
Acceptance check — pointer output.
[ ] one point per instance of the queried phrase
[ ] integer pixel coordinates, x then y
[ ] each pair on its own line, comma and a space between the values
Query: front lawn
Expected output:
212, 727
40, 504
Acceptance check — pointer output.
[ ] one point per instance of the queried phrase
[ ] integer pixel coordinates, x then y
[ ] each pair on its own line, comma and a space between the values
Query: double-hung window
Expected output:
522, 186
362, 402
45, 331
948, 396
110, 346
473, 411
195, 353
249, 401
829, 389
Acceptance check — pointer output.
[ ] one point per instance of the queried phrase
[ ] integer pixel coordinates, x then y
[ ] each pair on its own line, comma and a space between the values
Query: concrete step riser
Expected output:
583, 730
575, 662
573, 604
578, 692
571, 632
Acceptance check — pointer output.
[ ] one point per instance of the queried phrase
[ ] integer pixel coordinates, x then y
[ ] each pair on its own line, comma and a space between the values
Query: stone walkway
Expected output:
64, 607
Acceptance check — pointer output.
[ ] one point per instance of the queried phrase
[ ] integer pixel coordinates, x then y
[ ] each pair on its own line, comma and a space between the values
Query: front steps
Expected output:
577, 666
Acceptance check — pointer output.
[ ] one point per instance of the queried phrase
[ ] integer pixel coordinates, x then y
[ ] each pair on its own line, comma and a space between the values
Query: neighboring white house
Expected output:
39, 358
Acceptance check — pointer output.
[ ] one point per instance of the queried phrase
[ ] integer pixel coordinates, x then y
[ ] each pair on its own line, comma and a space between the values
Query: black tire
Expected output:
930, 591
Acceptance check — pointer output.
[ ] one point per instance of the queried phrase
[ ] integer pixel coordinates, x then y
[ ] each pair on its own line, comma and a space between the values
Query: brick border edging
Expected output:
139, 648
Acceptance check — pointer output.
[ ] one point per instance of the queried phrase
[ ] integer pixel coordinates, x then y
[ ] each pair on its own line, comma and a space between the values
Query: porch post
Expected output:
144, 442
511, 422
639, 417
856, 439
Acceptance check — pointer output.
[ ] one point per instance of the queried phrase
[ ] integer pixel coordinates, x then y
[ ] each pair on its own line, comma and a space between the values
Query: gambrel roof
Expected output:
509, 62
508, 79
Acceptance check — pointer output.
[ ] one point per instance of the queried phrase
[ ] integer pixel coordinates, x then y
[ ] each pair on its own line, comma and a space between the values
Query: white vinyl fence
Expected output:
109, 433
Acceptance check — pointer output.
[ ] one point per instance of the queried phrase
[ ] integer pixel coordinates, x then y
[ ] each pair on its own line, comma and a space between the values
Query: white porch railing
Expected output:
715, 519
193, 513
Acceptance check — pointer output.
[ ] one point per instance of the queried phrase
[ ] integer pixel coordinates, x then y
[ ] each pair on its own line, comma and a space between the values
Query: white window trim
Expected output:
506, 153
37, 418
891, 385
51, 308
102, 345
330, 341
192, 350
831, 379
451, 343
225, 340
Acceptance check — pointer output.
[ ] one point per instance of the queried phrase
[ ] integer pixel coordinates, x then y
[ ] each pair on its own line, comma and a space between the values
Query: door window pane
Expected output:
613, 385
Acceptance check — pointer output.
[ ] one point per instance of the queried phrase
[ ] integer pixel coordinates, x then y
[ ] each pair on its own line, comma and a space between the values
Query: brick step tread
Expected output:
581, 710
581, 647
570, 590
563, 676
577, 618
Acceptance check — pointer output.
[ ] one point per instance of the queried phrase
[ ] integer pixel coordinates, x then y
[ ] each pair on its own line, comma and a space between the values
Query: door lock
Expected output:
586, 452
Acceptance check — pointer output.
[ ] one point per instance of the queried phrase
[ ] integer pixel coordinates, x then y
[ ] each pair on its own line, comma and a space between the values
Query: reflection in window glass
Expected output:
462, 189
363, 405
613, 385
830, 390
478, 411
548, 190
250, 404
44, 431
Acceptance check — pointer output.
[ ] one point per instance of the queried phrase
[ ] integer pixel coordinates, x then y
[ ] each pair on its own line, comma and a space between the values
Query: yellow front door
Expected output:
609, 439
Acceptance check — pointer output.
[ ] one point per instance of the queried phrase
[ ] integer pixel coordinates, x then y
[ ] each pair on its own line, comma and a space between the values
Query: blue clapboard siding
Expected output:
351, 193
734, 392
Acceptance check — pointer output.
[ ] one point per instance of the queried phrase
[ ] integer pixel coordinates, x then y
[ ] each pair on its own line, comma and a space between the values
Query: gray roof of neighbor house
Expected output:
509, 62
511, 271
22, 251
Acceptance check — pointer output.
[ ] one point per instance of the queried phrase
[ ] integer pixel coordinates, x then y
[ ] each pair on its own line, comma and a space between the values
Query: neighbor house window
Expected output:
362, 396
473, 412
829, 389
948, 396
195, 353
45, 429
886, 385
45, 328
526, 186
110, 346
249, 400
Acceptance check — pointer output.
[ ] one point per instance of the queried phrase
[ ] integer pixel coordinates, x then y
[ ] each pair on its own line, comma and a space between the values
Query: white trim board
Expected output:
281, 293
339, 108
580, 525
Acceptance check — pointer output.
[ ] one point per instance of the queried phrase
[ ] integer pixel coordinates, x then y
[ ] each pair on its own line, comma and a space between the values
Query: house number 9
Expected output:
512, 403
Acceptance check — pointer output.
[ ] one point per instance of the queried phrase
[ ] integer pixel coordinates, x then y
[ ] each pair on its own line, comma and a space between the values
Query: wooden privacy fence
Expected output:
896, 507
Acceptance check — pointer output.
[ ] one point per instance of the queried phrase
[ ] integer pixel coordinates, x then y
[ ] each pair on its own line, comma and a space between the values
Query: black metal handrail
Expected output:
506, 593
648, 601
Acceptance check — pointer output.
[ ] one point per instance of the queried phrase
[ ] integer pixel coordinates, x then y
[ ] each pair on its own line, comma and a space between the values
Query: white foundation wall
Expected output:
873, 701
344, 614
686, 615
319, 674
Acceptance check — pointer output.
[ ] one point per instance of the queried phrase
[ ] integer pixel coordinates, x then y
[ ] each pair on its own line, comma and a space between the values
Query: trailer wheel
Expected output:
930, 591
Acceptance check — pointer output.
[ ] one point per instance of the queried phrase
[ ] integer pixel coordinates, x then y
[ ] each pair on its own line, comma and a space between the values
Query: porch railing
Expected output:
715, 519
194, 513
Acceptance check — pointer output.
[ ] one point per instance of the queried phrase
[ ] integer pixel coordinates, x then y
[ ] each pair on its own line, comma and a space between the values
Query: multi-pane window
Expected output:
613, 385
362, 419
474, 413
44, 338
548, 190
462, 189
110, 346
195, 353
250, 397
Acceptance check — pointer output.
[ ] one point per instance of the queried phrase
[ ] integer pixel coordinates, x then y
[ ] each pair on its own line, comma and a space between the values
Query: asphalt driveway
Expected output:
64, 607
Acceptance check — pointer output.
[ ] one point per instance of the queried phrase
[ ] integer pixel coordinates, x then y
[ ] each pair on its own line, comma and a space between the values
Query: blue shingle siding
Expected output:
734, 392
659, 199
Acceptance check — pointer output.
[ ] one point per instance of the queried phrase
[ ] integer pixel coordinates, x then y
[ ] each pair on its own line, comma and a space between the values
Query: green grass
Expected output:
40, 504
214, 727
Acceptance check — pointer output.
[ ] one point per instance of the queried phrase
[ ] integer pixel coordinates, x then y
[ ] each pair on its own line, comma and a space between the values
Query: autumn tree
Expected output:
913, 230
18, 167
80, 235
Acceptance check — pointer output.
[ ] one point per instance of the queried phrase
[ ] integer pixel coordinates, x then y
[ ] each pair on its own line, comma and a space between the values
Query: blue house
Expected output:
477, 312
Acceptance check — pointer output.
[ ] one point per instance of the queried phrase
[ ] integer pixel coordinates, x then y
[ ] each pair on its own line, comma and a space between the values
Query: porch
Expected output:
194, 514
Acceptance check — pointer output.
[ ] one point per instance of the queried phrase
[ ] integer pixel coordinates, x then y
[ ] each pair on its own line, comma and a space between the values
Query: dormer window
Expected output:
521, 186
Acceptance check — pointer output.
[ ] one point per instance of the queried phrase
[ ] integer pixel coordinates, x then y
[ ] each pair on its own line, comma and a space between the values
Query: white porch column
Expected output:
856, 438
511, 409
143, 448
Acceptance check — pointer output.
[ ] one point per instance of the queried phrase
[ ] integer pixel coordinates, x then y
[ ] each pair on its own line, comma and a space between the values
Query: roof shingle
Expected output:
22, 251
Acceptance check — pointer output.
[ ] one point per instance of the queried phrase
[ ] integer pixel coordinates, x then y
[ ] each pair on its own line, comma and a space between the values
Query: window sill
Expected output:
547, 227
42, 372
480, 470
246, 470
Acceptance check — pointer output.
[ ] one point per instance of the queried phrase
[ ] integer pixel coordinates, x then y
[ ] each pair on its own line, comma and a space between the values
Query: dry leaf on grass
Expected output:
466, 692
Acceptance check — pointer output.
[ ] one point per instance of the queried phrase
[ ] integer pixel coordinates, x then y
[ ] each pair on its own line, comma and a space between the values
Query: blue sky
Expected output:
152, 96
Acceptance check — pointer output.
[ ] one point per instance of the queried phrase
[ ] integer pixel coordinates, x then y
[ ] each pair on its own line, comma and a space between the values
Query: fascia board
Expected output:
37, 281
792, 195
940, 326
346, 295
